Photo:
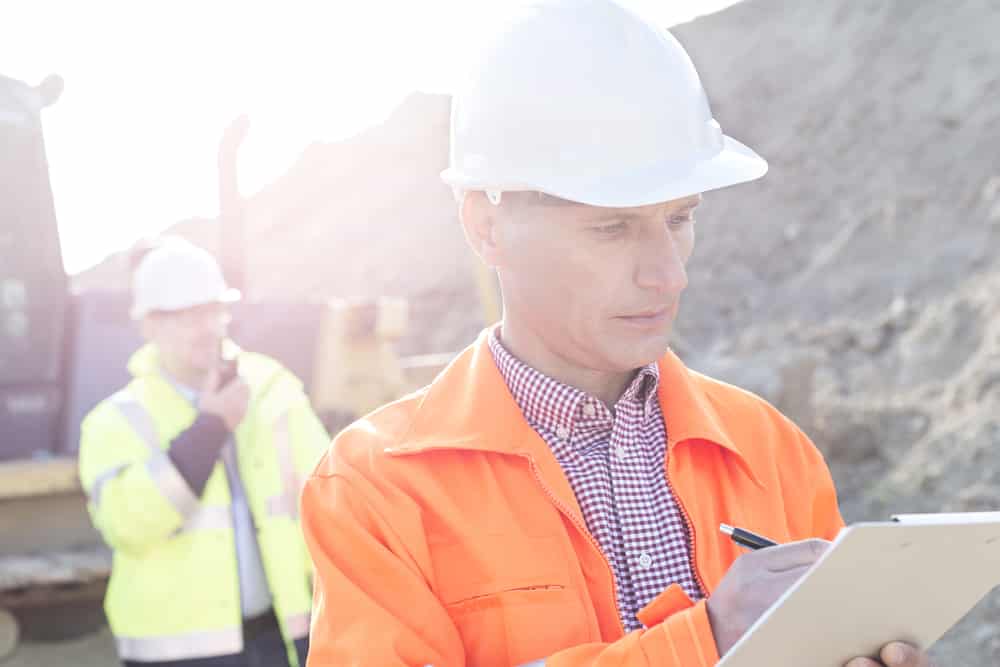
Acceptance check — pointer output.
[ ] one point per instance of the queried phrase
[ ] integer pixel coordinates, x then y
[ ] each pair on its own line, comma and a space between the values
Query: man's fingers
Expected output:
791, 556
895, 654
863, 662
898, 654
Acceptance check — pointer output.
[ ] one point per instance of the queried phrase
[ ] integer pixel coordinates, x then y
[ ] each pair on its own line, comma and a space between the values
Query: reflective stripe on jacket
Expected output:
174, 592
444, 532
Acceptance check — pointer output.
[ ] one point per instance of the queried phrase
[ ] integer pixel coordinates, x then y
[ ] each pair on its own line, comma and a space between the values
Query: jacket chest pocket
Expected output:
511, 598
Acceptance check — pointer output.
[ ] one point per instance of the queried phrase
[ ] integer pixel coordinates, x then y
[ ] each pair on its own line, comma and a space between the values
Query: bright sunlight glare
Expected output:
150, 87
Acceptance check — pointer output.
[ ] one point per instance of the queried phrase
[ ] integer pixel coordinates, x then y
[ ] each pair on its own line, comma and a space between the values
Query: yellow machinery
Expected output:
356, 367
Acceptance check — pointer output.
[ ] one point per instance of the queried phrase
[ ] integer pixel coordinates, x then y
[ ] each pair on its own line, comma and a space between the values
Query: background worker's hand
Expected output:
753, 584
229, 402
896, 654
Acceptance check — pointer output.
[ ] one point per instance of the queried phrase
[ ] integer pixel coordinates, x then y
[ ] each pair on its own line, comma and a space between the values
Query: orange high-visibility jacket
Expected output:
444, 532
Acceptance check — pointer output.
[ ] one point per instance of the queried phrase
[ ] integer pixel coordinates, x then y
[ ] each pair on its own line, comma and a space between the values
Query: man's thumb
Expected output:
898, 653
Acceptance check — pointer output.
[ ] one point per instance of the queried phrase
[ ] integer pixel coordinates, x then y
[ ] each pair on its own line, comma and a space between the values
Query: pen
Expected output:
747, 539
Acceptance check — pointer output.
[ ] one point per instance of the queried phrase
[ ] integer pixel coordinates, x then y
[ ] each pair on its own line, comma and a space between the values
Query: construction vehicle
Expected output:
61, 352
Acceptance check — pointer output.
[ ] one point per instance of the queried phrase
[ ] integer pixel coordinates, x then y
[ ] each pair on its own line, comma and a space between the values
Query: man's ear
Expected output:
479, 222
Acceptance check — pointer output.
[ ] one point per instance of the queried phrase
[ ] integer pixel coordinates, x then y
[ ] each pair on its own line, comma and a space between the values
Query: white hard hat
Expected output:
177, 275
586, 101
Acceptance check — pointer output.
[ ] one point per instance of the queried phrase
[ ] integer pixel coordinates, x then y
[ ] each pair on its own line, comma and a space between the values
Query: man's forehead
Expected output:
547, 200
199, 309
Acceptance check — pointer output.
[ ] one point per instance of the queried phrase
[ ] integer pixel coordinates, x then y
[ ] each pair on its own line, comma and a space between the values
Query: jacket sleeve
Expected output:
373, 606
810, 496
196, 451
136, 497
682, 638
826, 518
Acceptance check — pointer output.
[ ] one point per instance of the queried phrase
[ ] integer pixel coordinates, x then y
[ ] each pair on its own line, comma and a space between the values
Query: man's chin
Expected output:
645, 340
632, 355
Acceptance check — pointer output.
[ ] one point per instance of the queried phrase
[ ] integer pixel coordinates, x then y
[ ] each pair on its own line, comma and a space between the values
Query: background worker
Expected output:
193, 472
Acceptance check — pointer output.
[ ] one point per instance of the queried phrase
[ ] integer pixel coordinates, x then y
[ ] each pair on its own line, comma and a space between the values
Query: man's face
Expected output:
599, 286
190, 340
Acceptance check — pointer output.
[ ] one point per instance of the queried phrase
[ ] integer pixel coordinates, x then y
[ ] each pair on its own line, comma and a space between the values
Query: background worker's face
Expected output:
189, 341
600, 287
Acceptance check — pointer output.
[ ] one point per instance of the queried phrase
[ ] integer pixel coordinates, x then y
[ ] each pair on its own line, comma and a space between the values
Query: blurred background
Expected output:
856, 286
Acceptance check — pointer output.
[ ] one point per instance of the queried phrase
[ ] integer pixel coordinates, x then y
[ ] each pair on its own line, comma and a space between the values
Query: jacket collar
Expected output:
470, 407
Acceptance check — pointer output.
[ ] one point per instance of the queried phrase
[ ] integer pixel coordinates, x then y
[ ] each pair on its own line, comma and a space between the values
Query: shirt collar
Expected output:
644, 389
552, 405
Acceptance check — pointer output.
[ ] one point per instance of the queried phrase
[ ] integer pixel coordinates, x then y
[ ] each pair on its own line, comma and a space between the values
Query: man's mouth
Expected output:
649, 317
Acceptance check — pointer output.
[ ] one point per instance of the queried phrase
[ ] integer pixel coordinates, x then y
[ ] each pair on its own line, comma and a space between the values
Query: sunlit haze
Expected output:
149, 88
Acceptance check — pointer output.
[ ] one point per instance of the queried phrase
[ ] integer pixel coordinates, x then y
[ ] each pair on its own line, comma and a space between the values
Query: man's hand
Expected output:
753, 584
896, 654
229, 402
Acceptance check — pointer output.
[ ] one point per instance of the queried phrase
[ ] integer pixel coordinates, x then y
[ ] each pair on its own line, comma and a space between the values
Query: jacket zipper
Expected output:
569, 513
692, 560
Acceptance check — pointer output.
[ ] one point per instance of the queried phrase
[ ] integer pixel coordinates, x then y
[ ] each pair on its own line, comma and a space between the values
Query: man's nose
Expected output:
661, 262
211, 326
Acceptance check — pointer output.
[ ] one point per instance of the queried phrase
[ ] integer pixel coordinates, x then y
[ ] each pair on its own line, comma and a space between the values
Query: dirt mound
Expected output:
855, 286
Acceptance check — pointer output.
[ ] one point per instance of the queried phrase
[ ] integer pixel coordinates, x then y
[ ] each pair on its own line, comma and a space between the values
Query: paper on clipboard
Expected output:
909, 580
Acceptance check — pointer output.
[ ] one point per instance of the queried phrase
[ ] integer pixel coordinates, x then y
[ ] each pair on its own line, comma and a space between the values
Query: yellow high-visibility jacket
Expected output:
174, 592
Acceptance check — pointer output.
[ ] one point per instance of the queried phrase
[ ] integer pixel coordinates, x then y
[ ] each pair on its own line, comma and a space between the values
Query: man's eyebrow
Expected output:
613, 214
618, 214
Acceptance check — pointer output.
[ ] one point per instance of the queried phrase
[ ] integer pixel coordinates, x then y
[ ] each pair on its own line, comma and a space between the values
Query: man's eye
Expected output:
611, 230
677, 221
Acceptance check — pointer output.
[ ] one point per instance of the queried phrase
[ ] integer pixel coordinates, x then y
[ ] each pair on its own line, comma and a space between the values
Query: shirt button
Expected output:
645, 560
562, 432
620, 453
589, 410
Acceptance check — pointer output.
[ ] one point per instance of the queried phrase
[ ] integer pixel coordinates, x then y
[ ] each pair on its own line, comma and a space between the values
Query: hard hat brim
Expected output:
231, 295
734, 164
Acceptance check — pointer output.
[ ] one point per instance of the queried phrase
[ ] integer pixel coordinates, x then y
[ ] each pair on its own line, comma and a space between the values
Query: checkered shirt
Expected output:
614, 462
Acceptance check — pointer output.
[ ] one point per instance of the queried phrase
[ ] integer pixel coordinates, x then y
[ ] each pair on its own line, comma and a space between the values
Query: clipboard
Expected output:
910, 579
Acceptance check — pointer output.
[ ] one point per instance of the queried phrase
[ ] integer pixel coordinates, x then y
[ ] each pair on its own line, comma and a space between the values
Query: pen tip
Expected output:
727, 529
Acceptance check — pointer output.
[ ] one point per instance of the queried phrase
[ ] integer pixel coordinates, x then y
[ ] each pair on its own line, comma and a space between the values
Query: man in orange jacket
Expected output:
554, 496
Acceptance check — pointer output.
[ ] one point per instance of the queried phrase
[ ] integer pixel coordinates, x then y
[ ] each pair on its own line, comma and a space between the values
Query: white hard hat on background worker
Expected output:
177, 275
596, 109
